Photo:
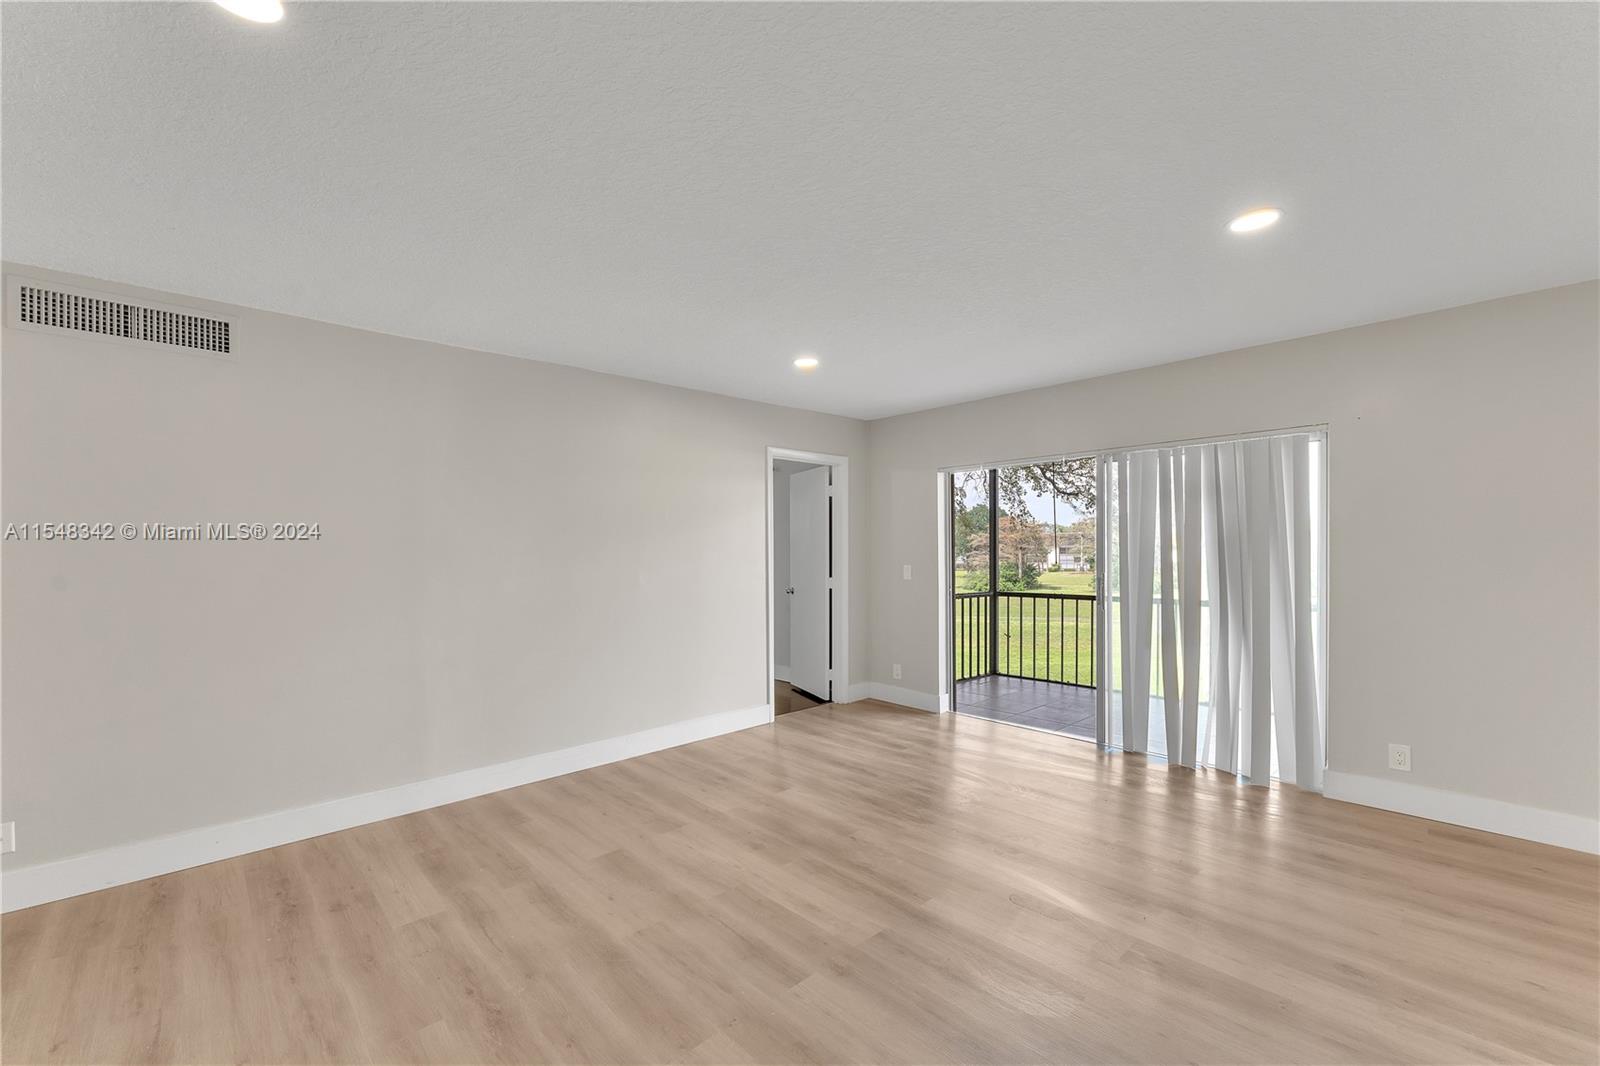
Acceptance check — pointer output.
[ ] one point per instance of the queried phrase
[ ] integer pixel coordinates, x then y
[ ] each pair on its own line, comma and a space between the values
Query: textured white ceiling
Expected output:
942, 201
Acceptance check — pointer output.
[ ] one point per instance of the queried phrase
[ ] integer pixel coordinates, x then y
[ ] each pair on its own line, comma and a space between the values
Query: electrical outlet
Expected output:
1400, 757
8, 837
897, 671
905, 571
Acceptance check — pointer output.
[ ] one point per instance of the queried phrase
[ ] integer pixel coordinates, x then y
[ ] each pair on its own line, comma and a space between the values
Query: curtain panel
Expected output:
1216, 605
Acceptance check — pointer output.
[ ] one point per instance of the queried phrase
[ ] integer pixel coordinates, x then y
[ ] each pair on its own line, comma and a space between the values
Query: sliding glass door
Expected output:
1023, 595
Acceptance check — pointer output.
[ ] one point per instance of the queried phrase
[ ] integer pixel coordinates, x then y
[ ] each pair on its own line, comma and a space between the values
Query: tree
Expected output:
970, 522
1071, 480
1022, 552
1078, 541
1024, 540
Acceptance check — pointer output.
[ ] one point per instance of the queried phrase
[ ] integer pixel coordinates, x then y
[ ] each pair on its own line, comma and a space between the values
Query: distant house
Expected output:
1064, 560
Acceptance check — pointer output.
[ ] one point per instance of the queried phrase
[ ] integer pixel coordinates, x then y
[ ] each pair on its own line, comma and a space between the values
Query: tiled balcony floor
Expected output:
1065, 709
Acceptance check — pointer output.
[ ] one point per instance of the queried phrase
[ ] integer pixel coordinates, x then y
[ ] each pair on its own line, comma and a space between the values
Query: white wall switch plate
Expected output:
905, 571
8, 837
1400, 757
897, 671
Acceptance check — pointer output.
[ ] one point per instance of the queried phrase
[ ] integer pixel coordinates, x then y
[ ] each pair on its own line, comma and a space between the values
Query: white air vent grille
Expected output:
41, 306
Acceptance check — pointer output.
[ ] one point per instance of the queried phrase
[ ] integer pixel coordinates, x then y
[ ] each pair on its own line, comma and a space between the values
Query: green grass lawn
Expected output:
1047, 639
1050, 581
1076, 581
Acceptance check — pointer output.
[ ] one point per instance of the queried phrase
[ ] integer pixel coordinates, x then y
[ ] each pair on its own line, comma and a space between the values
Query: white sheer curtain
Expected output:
1215, 583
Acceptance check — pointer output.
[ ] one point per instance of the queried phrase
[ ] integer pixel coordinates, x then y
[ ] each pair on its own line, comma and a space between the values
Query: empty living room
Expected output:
799, 532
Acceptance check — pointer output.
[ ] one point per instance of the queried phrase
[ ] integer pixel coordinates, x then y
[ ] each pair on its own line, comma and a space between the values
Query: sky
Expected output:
1038, 506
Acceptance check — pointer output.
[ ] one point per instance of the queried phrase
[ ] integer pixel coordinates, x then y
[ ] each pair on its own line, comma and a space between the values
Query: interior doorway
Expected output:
1024, 595
807, 563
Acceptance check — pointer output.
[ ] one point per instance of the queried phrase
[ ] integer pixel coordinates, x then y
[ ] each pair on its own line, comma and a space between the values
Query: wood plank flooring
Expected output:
850, 884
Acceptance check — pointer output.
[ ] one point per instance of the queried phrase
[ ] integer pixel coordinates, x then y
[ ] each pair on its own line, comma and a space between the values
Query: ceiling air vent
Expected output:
55, 309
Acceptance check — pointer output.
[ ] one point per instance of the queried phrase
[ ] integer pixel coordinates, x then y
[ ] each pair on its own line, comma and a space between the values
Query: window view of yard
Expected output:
1039, 637
1044, 533
1078, 582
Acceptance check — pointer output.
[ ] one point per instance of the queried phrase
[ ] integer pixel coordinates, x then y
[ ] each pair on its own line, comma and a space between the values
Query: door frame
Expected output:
839, 652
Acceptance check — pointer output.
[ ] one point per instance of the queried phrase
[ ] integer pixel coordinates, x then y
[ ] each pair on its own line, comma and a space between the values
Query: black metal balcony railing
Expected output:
1040, 636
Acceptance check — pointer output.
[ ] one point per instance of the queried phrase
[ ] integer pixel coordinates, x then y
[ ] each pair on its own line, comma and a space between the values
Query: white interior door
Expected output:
808, 582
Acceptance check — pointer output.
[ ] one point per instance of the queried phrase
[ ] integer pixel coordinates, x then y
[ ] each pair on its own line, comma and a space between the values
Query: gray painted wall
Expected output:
515, 558
1464, 455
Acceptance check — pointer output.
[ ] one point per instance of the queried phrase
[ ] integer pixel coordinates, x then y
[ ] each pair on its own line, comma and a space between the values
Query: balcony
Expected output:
1027, 658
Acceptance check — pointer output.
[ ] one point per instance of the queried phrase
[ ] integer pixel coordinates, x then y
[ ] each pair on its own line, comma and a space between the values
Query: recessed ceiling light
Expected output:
806, 362
254, 10
1259, 219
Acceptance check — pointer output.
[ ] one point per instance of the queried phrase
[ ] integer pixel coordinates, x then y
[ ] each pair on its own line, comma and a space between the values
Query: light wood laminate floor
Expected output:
850, 884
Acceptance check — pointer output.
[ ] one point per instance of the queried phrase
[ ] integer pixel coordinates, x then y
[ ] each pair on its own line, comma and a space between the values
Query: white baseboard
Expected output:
905, 697
780, 672
1457, 808
29, 886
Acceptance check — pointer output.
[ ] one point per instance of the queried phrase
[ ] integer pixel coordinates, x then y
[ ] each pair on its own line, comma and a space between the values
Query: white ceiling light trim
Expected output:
1256, 220
254, 10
